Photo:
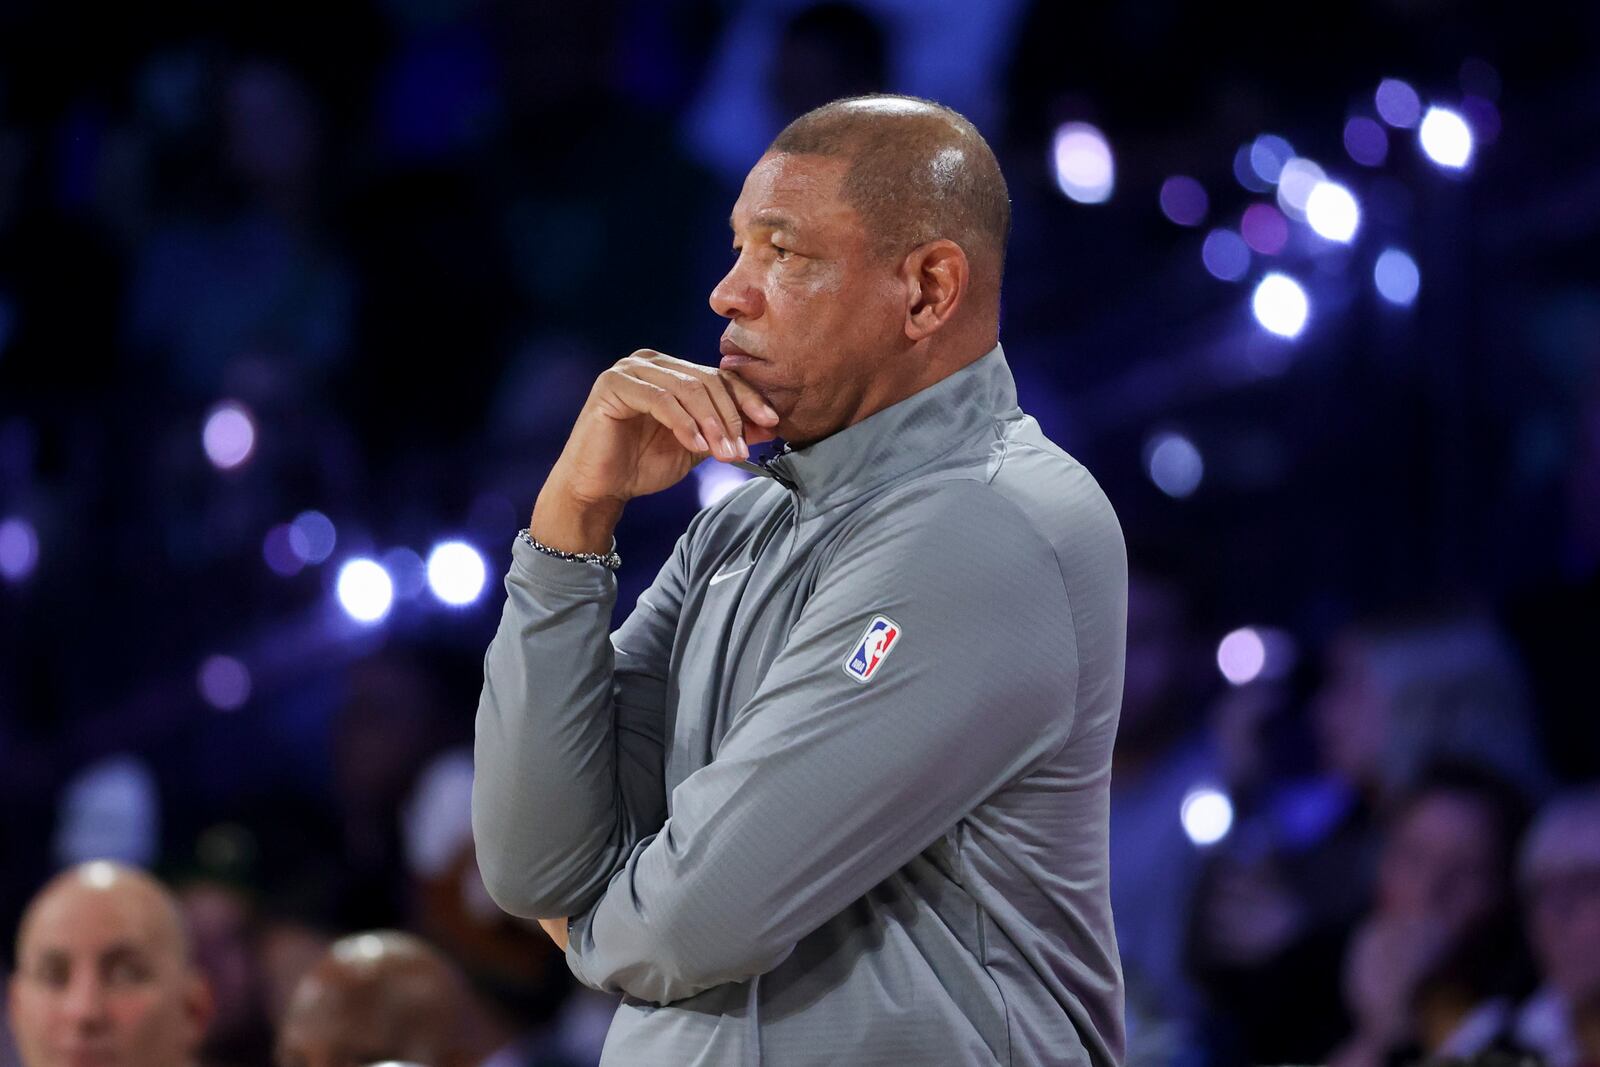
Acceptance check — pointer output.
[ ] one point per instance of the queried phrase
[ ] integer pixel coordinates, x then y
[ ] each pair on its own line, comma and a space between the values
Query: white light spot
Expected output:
1083, 166
1280, 305
1241, 655
1396, 277
98, 874
716, 480
1174, 464
229, 435
1332, 211
456, 573
1446, 138
224, 682
364, 590
19, 549
1207, 815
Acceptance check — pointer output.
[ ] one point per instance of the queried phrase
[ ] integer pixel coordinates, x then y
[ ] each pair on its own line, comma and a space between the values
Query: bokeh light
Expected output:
1084, 168
1268, 154
1446, 138
1332, 211
312, 536
1207, 815
1241, 655
1244, 171
1298, 178
1264, 229
277, 548
1280, 305
456, 573
1174, 464
229, 435
406, 570
224, 683
1366, 141
19, 549
714, 480
1396, 277
1225, 255
1184, 200
1397, 103
365, 590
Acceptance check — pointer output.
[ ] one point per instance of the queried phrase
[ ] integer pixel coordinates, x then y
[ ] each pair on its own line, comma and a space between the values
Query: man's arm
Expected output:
569, 728
569, 741
825, 785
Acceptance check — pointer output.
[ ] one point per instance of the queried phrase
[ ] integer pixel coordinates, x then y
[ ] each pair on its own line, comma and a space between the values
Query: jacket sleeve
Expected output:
569, 737
825, 784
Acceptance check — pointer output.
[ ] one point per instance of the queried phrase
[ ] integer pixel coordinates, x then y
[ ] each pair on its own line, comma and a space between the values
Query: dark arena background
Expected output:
297, 304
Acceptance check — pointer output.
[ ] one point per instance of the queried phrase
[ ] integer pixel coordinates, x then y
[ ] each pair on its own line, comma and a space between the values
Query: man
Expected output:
104, 974
836, 792
378, 997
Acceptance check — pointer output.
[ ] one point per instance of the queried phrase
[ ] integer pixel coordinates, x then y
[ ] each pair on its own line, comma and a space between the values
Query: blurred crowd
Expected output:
405, 235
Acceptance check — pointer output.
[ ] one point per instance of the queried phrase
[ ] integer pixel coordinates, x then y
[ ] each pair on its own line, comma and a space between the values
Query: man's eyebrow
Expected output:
768, 220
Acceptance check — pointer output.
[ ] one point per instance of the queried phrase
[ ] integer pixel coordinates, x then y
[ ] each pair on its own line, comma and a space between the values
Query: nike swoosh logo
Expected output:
725, 575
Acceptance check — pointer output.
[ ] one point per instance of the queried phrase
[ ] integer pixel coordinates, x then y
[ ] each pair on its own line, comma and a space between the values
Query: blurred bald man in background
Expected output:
377, 997
104, 974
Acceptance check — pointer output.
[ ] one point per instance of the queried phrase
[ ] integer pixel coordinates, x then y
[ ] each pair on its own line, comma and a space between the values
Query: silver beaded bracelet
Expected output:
609, 560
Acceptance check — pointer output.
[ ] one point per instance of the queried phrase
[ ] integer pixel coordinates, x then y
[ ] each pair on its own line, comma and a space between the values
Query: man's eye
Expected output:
127, 972
52, 974
781, 252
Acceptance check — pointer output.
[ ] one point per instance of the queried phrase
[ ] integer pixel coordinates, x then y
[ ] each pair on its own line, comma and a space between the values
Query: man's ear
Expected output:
936, 276
199, 1006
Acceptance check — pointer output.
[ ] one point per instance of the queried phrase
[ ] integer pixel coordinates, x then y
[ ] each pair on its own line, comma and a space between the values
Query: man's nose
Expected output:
734, 297
85, 1003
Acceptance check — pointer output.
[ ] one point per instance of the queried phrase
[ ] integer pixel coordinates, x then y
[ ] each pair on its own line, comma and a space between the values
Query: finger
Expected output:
648, 398
749, 400
727, 441
728, 406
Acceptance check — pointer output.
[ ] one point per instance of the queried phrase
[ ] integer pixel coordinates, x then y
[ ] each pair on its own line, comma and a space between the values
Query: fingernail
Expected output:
767, 410
700, 442
727, 447
744, 449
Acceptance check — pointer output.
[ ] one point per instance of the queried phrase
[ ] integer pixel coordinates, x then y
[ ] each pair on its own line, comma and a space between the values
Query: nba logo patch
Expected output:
873, 648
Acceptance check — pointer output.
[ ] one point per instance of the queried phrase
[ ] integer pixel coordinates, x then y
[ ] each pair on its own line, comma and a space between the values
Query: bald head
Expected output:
918, 171
103, 971
376, 997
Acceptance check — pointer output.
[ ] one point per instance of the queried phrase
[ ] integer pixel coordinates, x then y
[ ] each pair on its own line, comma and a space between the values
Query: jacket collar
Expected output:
897, 440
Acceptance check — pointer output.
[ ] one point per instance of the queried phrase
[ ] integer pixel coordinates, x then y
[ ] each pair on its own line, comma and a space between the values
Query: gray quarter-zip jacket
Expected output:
836, 791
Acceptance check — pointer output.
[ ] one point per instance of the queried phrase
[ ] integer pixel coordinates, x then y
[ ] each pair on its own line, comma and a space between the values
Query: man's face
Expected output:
1440, 862
336, 1021
101, 982
817, 315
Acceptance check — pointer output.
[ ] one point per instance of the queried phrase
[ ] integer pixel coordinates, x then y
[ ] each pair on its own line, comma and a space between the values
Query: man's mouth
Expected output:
733, 356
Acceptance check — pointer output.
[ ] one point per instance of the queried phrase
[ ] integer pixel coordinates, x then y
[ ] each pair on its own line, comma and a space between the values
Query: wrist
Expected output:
566, 521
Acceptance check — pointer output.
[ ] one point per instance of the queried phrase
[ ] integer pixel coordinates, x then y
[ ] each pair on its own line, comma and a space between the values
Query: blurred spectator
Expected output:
533, 1010
1162, 754
1560, 875
221, 922
249, 288
377, 997
944, 50
1436, 967
1280, 899
104, 974
110, 810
